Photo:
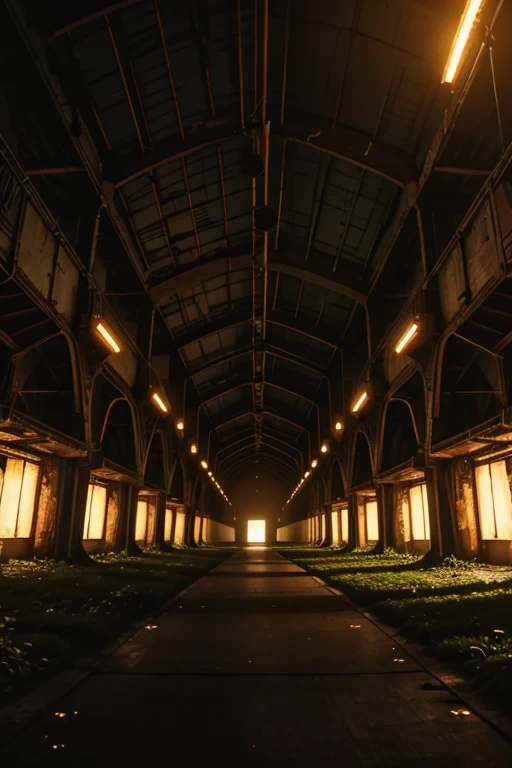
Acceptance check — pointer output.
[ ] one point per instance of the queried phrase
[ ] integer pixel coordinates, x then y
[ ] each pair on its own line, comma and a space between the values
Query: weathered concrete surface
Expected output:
260, 665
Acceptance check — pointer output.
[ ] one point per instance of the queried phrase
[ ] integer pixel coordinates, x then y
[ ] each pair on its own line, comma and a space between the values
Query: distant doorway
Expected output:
256, 532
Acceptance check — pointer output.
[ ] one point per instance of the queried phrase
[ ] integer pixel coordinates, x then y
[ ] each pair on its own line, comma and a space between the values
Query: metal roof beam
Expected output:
267, 445
341, 142
264, 413
226, 390
252, 441
275, 317
317, 271
271, 349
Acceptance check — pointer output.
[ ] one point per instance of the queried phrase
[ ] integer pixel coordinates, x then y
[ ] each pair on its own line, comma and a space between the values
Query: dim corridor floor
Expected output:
258, 664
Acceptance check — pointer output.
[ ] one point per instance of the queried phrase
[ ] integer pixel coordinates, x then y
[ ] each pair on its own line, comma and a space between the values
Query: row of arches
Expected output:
47, 386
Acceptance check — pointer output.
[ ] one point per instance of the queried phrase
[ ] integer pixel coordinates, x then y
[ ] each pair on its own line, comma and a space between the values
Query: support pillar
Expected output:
441, 506
65, 512
174, 513
386, 509
125, 539
352, 522
189, 528
159, 537
327, 539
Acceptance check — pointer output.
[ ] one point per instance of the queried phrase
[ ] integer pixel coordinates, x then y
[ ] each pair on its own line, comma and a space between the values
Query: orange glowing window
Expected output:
494, 500
372, 521
335, 525
344, 523
141, 521
18, 487
179, 533
95, 512
169, 515
418, 510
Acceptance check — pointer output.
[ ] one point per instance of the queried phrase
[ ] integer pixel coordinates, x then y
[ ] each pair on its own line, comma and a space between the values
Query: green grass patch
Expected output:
460, 611
52, 613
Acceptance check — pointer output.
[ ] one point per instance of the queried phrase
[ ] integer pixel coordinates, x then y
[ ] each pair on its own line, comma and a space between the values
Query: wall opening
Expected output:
179, 533
415, 516
368, 520
169, 518
340, 524
18, 489
145, 519
95, 512
494, 501
256, 531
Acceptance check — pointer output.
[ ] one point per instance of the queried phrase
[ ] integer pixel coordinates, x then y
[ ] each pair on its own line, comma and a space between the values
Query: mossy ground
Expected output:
51, 613
460, 611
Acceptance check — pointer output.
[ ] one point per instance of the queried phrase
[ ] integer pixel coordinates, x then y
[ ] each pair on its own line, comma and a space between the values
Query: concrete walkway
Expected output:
258, 664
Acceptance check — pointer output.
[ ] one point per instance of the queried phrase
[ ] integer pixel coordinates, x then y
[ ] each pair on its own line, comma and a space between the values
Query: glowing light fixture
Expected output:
360, 402
306, 474
108, 337
204, 464
180, 425
408, 335
160, 403
461, 38
324, 448
314, 463
210, 473
338, 426
193, 448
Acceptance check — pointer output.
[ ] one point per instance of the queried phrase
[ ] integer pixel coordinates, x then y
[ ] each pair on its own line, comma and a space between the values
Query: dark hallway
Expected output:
256, 288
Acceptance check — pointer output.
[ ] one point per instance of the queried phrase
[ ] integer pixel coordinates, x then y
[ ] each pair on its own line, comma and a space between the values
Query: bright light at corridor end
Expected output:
461, 38
256, 531
408, 335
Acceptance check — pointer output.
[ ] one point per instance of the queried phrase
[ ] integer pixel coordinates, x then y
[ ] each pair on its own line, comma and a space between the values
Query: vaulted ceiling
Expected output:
215, 121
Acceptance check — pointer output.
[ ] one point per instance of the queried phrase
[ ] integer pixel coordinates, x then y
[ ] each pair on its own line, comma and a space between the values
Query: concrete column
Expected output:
160, 521
189, 527
125, 539
386, 511
59, 528
441, 504
353, 537
327, 510
174, 513
114, 511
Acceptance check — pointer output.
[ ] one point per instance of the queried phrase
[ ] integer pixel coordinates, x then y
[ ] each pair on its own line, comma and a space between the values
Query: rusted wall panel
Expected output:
36, 251
125, 364
465, 508
65, 287
481, 251
394, 364
503, 198
451, 284
36, 256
